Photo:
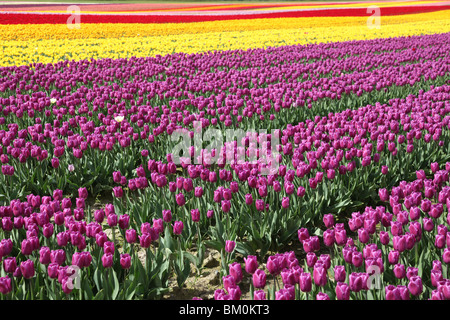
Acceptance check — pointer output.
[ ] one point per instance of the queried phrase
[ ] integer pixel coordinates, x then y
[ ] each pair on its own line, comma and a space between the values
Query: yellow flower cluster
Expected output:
385, 4
48, 43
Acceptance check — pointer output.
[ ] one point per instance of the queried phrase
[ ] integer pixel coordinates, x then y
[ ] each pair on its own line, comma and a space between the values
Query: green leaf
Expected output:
132, 291
191, 258
116, 286
97, 280
99, 295
244, 248
182, 272
87, 290
168, 241
214, 244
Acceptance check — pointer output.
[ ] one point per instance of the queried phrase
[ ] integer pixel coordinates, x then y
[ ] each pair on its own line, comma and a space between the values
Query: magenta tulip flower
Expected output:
415, 285
259, 279
251, 264
342, 291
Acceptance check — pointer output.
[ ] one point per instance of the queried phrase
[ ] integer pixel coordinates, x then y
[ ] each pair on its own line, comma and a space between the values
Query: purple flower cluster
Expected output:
390, 244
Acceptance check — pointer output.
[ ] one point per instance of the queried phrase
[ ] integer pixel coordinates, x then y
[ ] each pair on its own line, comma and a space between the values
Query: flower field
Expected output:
304, 147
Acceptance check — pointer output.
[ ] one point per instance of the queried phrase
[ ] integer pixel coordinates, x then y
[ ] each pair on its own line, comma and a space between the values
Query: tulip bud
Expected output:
446, 256
273, 266
10, 264
399, 271
259, 295
118, 192
131, 235
363, 235
392, 293
195, 215
229, 246
305, 282
394, 256
303, 234
415, 285
44, 255
180, 199
5, 285
356, 282
251, 264
342, 291
178, 227
27, 269
167, 215
339, 273
107, 260
235, 270
125, 260
320, 275
384, 237
259, 279
328, 237
328, 220
82, 193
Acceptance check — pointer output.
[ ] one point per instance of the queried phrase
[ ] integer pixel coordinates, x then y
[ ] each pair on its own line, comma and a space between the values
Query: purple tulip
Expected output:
44, 255
131, 235
195, 215
47, 230
259, 279
27, 269
328, 220
415, 285
167, 215
328, 237
363, 235
411, 272
322, 296
178, 227
311, 259
58, 256
342, 291
393, 256
285, 202
9, 264
118, 192
234, 292
235, 270
5, 285
305, 282
399, 271
392, 293
259, 295
303, 234
446, 256
107, 260
273, 265
357, 259
229, 246
355, 282
320, 276
339, 273
226, 205
251, 264
340, 236
180, 199
248, 199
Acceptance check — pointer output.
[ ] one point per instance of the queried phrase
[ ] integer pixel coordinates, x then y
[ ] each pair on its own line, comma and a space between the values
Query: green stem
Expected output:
106, 284
31, 289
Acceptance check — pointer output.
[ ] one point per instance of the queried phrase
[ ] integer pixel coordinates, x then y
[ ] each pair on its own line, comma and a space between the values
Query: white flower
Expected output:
53, 100
119, 118
71, 167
